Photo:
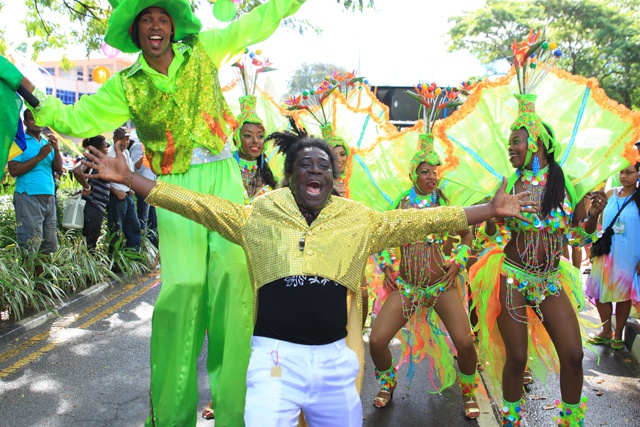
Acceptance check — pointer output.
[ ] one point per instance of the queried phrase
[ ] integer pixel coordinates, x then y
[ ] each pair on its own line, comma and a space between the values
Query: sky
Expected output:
399, 42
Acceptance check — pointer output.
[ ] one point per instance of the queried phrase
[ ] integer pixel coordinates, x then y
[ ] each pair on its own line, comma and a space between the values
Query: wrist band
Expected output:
460, 256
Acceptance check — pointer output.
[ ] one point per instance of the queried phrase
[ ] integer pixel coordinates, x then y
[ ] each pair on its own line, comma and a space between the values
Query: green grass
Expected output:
71, 269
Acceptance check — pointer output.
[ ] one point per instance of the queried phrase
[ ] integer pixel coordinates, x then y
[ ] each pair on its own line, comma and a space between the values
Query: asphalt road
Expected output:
90, 367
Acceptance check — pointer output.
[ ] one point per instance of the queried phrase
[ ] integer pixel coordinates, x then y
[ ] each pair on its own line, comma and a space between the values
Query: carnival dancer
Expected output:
173, 97
306, 253
430, 281
526, 288
257, 177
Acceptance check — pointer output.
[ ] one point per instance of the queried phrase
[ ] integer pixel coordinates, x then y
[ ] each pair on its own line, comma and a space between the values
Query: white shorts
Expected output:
284, 378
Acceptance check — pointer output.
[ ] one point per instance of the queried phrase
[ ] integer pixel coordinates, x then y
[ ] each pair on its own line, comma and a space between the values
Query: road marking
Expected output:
65, 323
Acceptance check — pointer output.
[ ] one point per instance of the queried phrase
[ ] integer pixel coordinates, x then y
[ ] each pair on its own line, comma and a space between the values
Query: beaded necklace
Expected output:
249, 171
422, 201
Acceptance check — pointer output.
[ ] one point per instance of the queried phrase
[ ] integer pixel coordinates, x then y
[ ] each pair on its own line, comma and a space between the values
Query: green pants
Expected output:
205, 286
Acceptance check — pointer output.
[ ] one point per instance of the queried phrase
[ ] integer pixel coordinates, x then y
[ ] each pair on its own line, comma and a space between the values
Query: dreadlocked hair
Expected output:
265, 171
555, 190
290, 144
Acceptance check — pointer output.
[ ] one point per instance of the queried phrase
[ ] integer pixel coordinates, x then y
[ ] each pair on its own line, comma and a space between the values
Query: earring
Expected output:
535, 165
434, 198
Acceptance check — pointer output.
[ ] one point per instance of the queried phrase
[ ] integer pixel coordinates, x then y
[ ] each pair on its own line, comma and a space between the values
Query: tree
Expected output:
61, 23
309, 76
598, 39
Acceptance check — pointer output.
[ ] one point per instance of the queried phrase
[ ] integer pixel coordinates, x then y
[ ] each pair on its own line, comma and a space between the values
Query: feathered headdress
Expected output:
433, 99
313, 101
247, 70
532, 60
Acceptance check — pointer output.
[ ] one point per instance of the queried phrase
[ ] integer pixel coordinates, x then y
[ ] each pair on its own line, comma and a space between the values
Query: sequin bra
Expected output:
557, 221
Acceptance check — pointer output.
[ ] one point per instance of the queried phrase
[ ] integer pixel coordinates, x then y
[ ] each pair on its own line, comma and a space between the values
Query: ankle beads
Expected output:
387, 379
468, 384
512, 413
571, 415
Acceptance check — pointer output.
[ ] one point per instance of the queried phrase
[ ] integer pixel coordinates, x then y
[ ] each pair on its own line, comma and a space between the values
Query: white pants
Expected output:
317, 379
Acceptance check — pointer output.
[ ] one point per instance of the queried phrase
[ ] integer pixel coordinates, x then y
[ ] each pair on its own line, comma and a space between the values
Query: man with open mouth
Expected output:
173, 97
306, 253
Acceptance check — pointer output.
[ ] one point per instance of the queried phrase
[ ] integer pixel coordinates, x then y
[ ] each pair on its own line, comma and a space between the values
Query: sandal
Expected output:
528, 377
207, 412
471, 408
598, 340
383, 398
617, 344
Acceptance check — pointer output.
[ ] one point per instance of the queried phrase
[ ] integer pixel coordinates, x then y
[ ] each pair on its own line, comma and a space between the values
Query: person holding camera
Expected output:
34, 201
616, 265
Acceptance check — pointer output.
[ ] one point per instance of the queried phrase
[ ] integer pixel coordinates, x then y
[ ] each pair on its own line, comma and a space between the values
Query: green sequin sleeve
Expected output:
215, 213
403, 226
251, 28
90, 115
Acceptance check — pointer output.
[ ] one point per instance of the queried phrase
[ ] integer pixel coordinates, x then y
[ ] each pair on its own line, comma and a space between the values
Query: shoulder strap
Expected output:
620, 210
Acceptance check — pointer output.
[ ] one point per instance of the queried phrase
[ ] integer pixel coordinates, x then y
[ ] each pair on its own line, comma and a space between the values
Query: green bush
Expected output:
71, 269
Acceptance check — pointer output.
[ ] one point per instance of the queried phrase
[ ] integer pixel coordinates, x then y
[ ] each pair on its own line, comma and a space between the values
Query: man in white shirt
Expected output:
121, 215
146, 213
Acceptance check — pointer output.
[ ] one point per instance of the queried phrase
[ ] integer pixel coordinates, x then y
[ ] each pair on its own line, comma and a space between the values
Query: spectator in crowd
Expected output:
95, 192
614, 276
122, 216
34, 202
146, 213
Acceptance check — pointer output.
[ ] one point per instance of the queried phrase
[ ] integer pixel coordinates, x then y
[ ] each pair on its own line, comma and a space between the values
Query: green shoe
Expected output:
617, 344
598, 340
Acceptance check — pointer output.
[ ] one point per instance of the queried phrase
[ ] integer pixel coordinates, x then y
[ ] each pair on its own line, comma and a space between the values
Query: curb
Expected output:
31, 322
632, 337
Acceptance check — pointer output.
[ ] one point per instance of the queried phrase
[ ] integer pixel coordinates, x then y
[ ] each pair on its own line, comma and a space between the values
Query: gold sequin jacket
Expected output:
336, 245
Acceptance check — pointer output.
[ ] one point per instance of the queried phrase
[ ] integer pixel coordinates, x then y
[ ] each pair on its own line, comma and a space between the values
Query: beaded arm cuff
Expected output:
500, 238
578, 236
385, 258
460, 256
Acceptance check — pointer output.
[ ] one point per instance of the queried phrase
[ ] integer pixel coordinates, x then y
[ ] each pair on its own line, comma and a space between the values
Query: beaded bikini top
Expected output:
557, 221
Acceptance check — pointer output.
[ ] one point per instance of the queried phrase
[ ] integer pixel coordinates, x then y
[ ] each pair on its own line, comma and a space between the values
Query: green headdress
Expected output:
532, 60
247, 115
124, 13
425, 154
531, 121
247, 70
433, 100
334, 140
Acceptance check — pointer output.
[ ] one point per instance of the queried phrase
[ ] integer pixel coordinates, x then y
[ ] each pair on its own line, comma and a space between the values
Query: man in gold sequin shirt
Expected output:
306, 252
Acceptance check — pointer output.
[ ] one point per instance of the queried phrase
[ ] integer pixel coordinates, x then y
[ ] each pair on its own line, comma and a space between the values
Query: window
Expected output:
66, 96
